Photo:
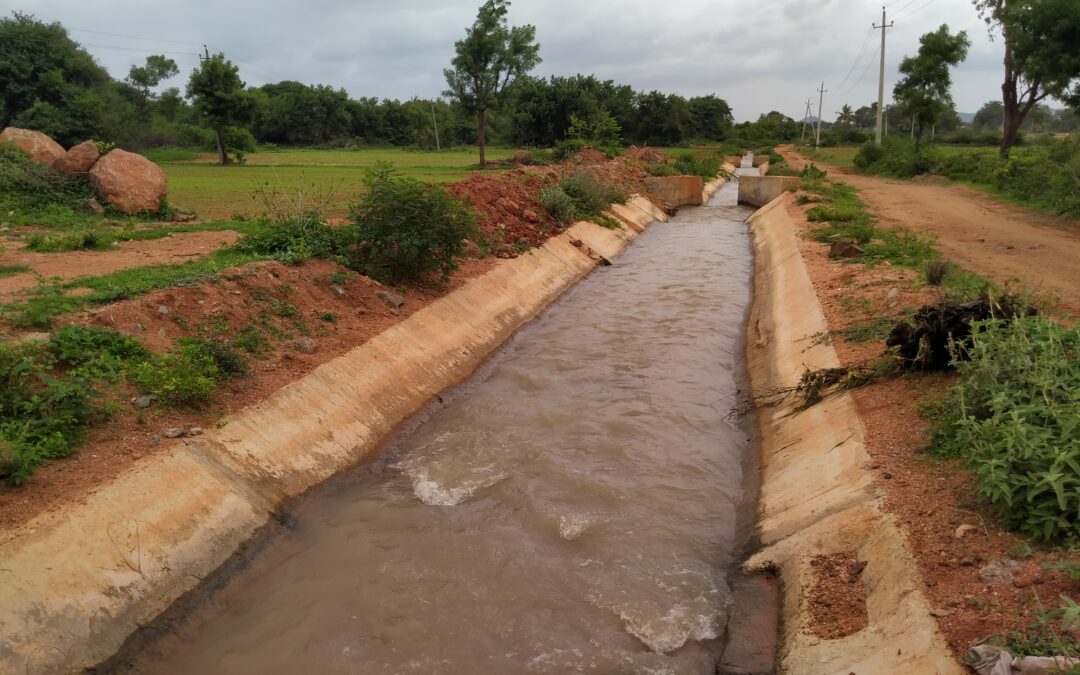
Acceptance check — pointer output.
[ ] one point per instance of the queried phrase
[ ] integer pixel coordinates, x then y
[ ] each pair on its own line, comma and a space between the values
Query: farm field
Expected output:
213, 192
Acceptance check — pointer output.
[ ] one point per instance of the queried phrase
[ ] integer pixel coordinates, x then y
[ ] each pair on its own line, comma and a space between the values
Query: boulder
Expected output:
37, 145
77, 160
130, 182
845, 247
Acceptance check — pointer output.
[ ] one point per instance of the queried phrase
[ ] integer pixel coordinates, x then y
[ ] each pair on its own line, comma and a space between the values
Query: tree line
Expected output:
51, 84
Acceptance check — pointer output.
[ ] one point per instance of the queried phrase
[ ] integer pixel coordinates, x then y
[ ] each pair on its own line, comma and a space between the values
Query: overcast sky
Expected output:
759, 56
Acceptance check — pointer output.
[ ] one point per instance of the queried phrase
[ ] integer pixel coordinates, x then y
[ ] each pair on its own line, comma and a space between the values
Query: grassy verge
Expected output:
50, 300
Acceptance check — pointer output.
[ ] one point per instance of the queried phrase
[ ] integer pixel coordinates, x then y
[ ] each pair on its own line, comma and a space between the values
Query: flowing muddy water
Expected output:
577, 507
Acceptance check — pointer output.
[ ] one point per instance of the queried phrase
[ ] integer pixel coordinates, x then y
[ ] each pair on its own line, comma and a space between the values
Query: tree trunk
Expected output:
220, 147
481, 119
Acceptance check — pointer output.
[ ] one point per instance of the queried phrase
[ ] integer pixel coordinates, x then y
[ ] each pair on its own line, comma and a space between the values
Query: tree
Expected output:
846, 116
488, 61
989, 116
144, 78
49, 83
1041, 58
923, 92
712, 117
219, 98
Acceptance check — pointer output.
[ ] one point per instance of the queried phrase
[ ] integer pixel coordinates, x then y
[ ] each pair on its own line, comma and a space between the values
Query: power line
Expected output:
907, 4
134, 37
917, 9
134, 49
855, 63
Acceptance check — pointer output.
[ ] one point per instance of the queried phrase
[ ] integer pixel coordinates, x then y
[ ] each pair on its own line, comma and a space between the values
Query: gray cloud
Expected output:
768, 55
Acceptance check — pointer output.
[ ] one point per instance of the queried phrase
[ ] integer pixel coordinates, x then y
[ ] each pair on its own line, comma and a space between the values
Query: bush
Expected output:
406, 230
42, 416
293, 239
590, 195
935, 271
1014, 418
187, 376
95, 352
83, 239
708, 166
558, 204
868, 155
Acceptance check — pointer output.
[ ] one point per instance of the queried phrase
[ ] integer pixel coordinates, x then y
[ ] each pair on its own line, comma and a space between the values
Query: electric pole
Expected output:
435, 123
881, 77
806, 116
820, 105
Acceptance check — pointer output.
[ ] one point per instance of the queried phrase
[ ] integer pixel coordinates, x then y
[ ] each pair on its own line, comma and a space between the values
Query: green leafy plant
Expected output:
1016, 412
935, 271
558, 204
407, 230
95, 352
42, 416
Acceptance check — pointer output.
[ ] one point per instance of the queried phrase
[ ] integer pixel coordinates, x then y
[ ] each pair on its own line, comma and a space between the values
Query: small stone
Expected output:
530, 215
995, 573
305, 345
942, 613
963, 530
91, 205
575, 242
338, 291
892, 297
163, 310
392, 299
39, 338
155, 441
175, 432
967, 562
887, 475
144, 401
195, 431
845, 247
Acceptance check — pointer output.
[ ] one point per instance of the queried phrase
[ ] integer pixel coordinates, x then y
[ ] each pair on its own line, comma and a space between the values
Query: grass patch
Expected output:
12, 270
50, 300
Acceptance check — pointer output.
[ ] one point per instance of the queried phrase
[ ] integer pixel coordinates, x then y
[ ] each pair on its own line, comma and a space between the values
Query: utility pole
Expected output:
206, 50
881, 77
806, 116
820, 105
435, 123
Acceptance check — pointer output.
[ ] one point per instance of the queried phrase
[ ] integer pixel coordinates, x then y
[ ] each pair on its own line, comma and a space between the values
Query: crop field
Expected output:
198, 184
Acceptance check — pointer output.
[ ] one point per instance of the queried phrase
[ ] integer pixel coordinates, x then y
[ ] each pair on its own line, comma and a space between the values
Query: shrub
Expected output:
708, 166
558, 204
187, 376
293, 239
41, 416
567, 148
95, 352
406, 230
1014, 417
868, 155
841, 213
84, 239
662, 170
227, 361
590, 195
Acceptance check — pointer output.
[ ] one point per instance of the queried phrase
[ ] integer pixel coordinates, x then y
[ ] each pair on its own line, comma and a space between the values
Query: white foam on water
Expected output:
432, 493
698, 619
571, 526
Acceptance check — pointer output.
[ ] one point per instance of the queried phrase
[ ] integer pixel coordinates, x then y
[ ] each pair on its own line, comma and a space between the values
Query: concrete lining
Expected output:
676, 190
816, 495
760, 190
77, 580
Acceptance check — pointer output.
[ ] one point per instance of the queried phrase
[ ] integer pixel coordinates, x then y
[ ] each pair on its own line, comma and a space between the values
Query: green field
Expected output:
215, 192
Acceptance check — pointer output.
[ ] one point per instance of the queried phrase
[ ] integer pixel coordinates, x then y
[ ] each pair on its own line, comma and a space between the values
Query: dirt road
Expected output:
999, 241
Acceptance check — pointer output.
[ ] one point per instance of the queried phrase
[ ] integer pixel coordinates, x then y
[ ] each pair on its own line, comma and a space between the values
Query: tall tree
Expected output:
846, 116
220, 99
143, 78
1041, 58
924, 90
488, 61
989, 116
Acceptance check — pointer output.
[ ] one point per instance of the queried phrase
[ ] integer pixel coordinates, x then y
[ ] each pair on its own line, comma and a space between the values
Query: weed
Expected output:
187, 376
227, 361
251, 340
558, 204
1015, 414
329, 317
94, 352
82, 239
935, 271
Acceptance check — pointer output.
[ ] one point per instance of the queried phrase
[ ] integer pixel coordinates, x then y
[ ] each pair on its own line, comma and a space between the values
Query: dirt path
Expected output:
997, 240
175, 248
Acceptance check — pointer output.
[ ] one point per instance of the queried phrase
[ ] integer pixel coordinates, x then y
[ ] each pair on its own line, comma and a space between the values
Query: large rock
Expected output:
78, 160
37, 145
130, 182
